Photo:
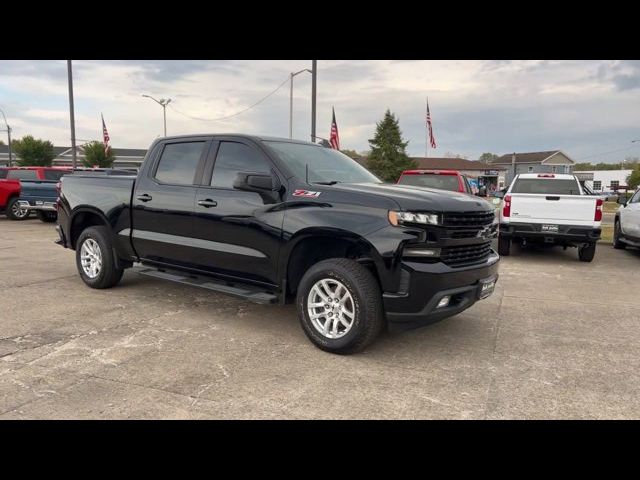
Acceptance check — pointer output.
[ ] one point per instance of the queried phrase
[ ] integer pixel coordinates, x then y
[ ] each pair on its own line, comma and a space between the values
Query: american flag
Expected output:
334, 138
432, 139
105, 135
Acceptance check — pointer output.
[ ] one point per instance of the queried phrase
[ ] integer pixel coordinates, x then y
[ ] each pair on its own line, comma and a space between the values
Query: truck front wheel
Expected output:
94, 258
340, 306
504, 246
616, 236
586, 254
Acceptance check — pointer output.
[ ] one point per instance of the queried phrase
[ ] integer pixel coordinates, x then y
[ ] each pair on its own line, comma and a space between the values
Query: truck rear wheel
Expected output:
14, 212
94, 258
616, 237
340, 306
586, 254
47, 217
504, 246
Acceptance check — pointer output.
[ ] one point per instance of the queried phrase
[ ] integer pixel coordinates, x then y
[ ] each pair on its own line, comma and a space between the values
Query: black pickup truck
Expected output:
277, 220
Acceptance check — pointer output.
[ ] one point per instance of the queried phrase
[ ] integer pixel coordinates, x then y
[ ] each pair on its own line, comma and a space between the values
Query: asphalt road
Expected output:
558, 339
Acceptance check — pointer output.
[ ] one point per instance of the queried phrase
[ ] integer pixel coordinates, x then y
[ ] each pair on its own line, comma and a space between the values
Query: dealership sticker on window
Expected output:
306, 193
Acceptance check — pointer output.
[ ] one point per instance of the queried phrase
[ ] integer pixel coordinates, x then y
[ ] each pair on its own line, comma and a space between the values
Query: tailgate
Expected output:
554, 209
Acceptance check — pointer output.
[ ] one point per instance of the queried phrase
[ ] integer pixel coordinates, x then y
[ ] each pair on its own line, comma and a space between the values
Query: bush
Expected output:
94, 155
33, 151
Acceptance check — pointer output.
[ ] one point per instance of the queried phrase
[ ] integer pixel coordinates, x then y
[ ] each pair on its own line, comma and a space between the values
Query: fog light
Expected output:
444, 301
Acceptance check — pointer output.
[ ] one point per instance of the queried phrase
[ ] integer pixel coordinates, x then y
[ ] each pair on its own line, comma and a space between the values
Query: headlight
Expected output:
401, 218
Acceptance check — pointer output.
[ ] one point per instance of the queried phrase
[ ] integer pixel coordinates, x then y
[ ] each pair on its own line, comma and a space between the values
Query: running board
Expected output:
248, 292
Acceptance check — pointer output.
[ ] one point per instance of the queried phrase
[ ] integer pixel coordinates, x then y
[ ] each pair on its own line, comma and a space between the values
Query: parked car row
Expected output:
26, 190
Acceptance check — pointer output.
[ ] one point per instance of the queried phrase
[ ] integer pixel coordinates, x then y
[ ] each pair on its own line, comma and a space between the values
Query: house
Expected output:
552, 161
604, 181
125, 157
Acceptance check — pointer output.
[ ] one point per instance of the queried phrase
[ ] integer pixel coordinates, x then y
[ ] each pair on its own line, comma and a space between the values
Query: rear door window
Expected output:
546, 186
179, 163
54, 174
23, 174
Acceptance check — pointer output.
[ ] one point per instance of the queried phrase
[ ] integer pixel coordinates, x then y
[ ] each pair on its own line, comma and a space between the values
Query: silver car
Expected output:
626, 229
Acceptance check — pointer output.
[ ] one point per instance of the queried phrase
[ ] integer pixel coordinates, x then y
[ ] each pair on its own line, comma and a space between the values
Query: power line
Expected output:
605, 153
235, 114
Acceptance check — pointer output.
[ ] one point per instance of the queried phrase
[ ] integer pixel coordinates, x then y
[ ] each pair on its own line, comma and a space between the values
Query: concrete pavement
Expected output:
558, 339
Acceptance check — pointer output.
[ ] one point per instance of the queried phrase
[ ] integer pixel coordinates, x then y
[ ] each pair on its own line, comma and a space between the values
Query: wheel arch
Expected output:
81, 219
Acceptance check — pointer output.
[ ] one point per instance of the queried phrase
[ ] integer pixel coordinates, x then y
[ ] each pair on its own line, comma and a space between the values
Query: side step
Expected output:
248, 292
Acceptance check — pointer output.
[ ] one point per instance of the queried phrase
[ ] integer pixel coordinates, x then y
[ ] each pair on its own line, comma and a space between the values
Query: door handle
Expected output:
207, 203
145, 197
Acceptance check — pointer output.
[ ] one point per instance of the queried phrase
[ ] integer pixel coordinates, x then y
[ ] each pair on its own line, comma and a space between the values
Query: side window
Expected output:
636, 197
23, 174
233, 158
3, 173
179, 162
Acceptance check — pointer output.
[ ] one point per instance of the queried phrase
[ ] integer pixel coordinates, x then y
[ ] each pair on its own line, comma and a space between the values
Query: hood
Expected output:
412, 198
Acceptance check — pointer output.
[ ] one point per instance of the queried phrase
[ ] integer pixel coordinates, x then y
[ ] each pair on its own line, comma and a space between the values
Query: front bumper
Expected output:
566, 234
37, 205
425, 284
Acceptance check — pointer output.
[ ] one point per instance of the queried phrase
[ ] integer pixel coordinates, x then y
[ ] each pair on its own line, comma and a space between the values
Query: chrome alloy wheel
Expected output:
91, 258
18, 211
331, 308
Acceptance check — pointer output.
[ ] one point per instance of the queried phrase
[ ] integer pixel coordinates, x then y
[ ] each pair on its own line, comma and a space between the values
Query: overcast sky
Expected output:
589, 109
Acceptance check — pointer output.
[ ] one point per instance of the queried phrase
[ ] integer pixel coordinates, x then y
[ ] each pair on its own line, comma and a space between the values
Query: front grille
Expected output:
467, 219
464, 234
466, 254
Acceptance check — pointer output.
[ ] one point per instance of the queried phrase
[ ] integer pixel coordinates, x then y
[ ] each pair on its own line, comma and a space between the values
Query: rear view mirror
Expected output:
256, 182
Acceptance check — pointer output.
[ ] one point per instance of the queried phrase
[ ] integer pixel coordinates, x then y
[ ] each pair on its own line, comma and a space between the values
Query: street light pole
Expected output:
8, 136
163, 102
291, 99
314, 73
71, 114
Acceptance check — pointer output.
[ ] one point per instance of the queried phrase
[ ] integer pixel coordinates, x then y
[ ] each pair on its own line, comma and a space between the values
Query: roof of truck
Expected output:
264, 138
548, 176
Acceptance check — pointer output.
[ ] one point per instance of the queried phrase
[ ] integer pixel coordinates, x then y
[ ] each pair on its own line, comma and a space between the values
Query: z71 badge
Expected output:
306, 193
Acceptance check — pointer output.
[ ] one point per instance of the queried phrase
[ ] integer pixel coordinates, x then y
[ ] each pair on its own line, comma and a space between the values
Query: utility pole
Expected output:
8, 136
314, 74
513, 165
163, 102
71, 114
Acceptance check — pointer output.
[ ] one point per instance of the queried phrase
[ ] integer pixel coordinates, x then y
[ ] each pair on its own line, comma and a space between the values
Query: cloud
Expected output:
583, 107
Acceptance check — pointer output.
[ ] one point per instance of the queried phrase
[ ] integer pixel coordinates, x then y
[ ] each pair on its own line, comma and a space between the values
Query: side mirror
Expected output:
498, 194
622, 200
256, 182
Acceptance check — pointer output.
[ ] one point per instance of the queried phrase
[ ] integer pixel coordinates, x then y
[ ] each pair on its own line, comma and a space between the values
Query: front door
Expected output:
163, 202
240, 231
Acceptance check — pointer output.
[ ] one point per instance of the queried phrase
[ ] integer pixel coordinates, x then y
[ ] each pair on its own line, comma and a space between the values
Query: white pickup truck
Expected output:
552, 209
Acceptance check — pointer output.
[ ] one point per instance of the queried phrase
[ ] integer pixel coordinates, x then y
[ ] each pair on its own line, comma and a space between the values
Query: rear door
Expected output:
551, 200
238, 232
163, 201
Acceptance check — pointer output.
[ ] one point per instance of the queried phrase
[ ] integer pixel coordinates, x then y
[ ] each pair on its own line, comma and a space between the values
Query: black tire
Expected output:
504, 246
366, 305
14, 212
108, 275
47, 216
617, 244
586, 254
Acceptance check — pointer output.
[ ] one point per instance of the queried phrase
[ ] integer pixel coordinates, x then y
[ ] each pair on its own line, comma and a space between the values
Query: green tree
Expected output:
351, 153
488, 157
94, 155
633, 180
388, 157
33, 151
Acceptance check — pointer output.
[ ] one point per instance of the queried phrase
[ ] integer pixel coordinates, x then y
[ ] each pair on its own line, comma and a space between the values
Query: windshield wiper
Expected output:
331, 182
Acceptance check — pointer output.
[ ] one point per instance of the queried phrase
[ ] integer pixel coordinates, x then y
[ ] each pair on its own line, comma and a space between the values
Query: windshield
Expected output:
325, 164
545, 186
441, 182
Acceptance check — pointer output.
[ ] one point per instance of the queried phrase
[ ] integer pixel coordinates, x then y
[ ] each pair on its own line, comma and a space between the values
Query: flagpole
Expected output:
426, 137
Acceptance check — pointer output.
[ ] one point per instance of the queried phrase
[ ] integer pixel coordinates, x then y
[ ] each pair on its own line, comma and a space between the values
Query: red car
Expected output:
451, 180
9, 195
34, 173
